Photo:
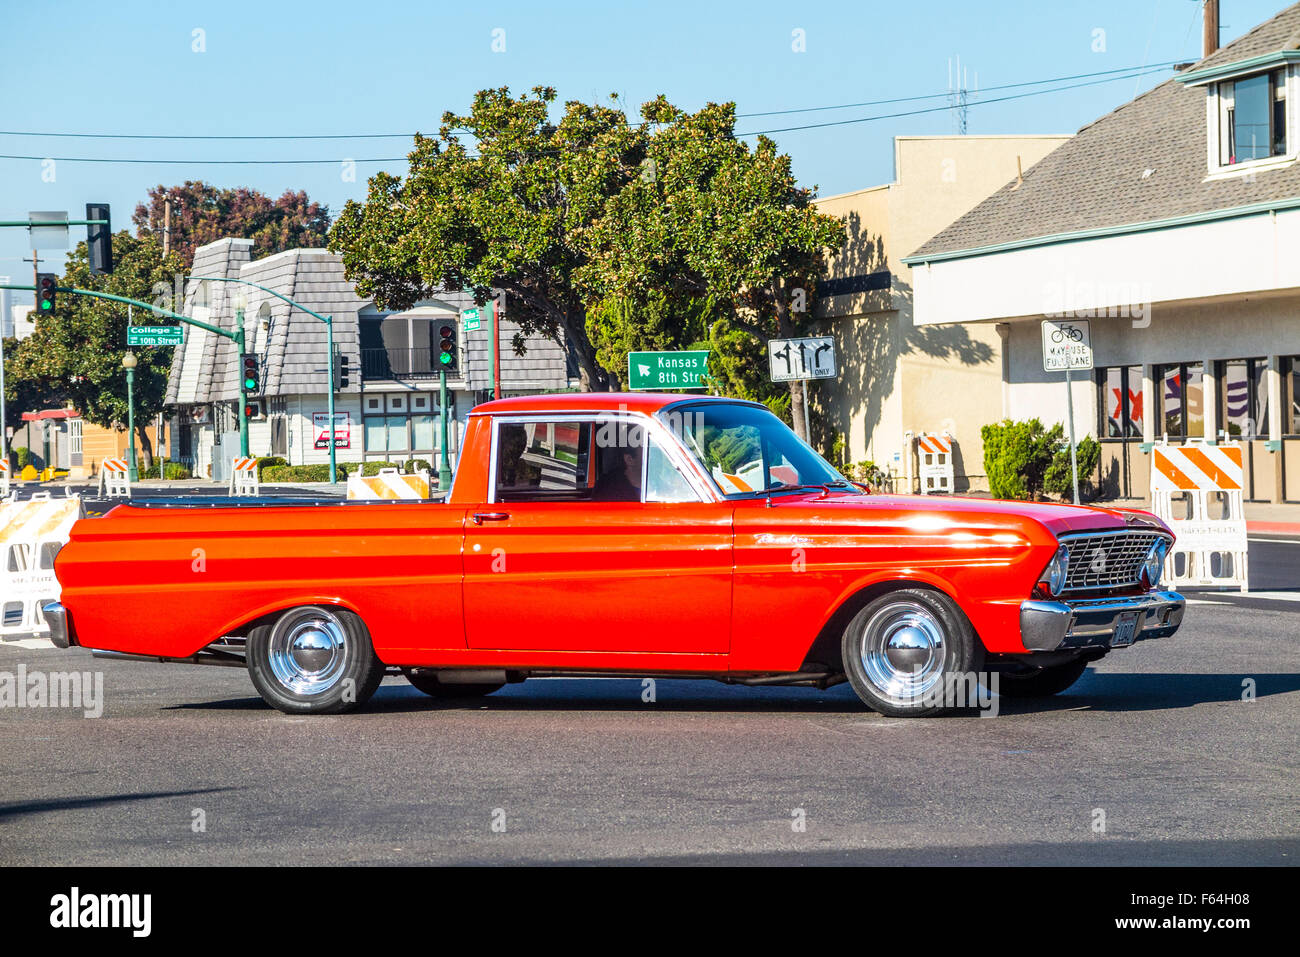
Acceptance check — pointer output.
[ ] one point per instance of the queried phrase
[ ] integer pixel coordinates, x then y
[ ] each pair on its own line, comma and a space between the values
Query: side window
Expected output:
543, 461
664, 483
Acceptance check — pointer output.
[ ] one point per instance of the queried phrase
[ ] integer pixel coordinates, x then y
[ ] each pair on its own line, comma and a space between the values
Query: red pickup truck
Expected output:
619, 535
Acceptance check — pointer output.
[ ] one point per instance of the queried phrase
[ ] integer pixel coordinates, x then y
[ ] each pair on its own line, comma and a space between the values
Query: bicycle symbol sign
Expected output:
1067, 345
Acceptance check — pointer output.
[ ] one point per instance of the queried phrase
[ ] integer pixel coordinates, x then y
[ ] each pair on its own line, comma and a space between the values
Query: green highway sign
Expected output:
666, 370
155, 335
471, 319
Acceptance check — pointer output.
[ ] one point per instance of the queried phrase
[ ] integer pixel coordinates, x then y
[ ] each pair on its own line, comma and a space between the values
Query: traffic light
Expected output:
341, 378
448, 351
99, 240
45, 283
248, 373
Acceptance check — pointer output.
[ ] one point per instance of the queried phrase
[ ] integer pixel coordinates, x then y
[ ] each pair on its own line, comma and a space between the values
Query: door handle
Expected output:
481, 517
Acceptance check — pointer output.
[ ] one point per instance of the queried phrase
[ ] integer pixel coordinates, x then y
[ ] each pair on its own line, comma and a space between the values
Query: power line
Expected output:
935, 96
214, 137
1131, 73
938, 109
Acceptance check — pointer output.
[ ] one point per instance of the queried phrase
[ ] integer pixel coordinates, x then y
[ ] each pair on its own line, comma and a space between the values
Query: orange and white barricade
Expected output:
4, 475
31, 534
1197, 490
934, 462
243, 476
114, 479
389, 484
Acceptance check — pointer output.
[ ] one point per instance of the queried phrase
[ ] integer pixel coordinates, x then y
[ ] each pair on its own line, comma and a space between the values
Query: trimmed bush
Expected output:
24, 457
415, 465
294, 474
266, 461
1057, 481
1026, 460
372, 468
175, 471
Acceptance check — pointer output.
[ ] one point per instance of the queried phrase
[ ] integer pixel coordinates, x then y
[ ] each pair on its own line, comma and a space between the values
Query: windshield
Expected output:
748, 450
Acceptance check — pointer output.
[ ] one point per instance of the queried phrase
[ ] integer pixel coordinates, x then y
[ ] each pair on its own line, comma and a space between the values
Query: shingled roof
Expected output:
1141, 163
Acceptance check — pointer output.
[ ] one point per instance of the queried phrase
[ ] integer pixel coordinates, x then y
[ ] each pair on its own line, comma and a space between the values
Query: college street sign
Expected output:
155, 335
666, 370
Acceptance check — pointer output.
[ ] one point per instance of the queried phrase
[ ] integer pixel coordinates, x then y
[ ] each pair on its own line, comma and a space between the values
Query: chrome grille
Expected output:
1107, 560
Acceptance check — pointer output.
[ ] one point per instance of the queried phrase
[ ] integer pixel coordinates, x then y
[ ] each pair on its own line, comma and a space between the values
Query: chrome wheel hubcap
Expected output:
308, 650
902, 650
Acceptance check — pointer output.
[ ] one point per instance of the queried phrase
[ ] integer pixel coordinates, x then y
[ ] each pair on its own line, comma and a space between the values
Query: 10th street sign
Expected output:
666, 370
155, 335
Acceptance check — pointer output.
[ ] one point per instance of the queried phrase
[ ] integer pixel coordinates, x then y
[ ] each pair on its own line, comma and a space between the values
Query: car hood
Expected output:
1059, 519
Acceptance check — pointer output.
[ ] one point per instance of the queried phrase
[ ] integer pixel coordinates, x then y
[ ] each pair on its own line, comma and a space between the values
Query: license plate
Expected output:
1125, 630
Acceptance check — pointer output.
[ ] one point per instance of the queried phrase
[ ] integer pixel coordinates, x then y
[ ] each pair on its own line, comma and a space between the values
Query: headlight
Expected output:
1054, 576
1154, 565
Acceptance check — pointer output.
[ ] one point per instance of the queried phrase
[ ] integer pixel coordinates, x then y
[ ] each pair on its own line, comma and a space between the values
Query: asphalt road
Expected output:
1156, 736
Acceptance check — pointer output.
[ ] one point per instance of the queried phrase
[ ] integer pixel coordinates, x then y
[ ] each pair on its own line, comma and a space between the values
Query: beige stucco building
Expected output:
897, 376
1172, 226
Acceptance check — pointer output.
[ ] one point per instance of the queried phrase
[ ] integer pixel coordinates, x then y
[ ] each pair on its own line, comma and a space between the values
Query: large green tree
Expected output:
202, 213
510, 214
713, 218
75, 354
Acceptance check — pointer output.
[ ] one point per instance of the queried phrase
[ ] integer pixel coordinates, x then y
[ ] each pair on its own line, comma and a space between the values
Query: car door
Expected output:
563, 557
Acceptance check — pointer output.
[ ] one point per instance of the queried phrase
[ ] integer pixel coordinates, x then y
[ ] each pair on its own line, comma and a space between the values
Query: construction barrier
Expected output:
31, 534
389, 484
1197, 490
4, 477
934, 462
114, 479
243, 476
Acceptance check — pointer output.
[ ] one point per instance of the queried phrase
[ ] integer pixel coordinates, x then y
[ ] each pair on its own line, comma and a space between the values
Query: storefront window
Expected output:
1243, 398
1120, 402
1291, 394
1182, 409
422, 432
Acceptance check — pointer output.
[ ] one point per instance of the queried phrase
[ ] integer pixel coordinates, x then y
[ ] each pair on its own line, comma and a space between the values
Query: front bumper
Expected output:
56, 616
1096, 623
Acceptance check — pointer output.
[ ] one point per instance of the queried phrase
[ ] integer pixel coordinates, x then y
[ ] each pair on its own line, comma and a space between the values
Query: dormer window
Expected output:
1252, 118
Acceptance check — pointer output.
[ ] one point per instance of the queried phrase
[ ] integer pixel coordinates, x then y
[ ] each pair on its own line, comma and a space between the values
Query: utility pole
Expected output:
167, 225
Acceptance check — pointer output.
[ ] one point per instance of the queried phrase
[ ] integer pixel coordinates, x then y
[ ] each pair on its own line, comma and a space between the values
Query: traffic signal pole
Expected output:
243, 397
444, 465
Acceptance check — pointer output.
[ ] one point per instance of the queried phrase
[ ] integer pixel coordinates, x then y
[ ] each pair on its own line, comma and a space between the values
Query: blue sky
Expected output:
323, 67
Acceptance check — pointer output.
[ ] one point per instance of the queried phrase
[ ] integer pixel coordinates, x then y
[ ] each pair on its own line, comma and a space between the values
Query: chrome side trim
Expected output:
1062, 625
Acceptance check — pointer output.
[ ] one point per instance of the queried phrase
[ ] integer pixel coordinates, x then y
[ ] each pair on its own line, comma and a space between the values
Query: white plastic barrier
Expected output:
4, 476
114, 479
934, 462
31, 534
389, 484
1207, 481
243, 476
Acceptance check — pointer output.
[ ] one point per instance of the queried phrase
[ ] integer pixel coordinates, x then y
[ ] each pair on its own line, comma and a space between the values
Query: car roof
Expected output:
647, 403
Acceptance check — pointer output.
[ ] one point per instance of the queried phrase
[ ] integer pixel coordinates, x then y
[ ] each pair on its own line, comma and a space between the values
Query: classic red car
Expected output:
617, 535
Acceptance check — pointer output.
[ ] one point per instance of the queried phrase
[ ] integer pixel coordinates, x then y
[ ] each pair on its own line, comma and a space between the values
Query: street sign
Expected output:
471, 319
1067, 344
49, 237
155, 335
812, 357
666, 370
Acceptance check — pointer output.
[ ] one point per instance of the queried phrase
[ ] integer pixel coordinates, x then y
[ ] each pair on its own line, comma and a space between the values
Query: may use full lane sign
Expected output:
1067, 345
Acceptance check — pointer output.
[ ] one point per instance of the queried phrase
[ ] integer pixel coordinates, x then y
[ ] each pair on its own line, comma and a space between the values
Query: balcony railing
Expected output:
415, 363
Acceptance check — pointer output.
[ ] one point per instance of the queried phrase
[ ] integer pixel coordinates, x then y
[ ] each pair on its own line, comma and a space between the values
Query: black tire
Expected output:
943, 644
1040, 682
314, 659
434, 688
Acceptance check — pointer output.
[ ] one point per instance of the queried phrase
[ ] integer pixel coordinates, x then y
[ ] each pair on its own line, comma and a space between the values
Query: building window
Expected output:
1120, 402
1252, 118
1181, 390
1243, 398
1291, 395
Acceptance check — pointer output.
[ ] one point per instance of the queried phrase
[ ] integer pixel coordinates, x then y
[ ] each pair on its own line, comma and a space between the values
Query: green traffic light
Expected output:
445, 358
250, 384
